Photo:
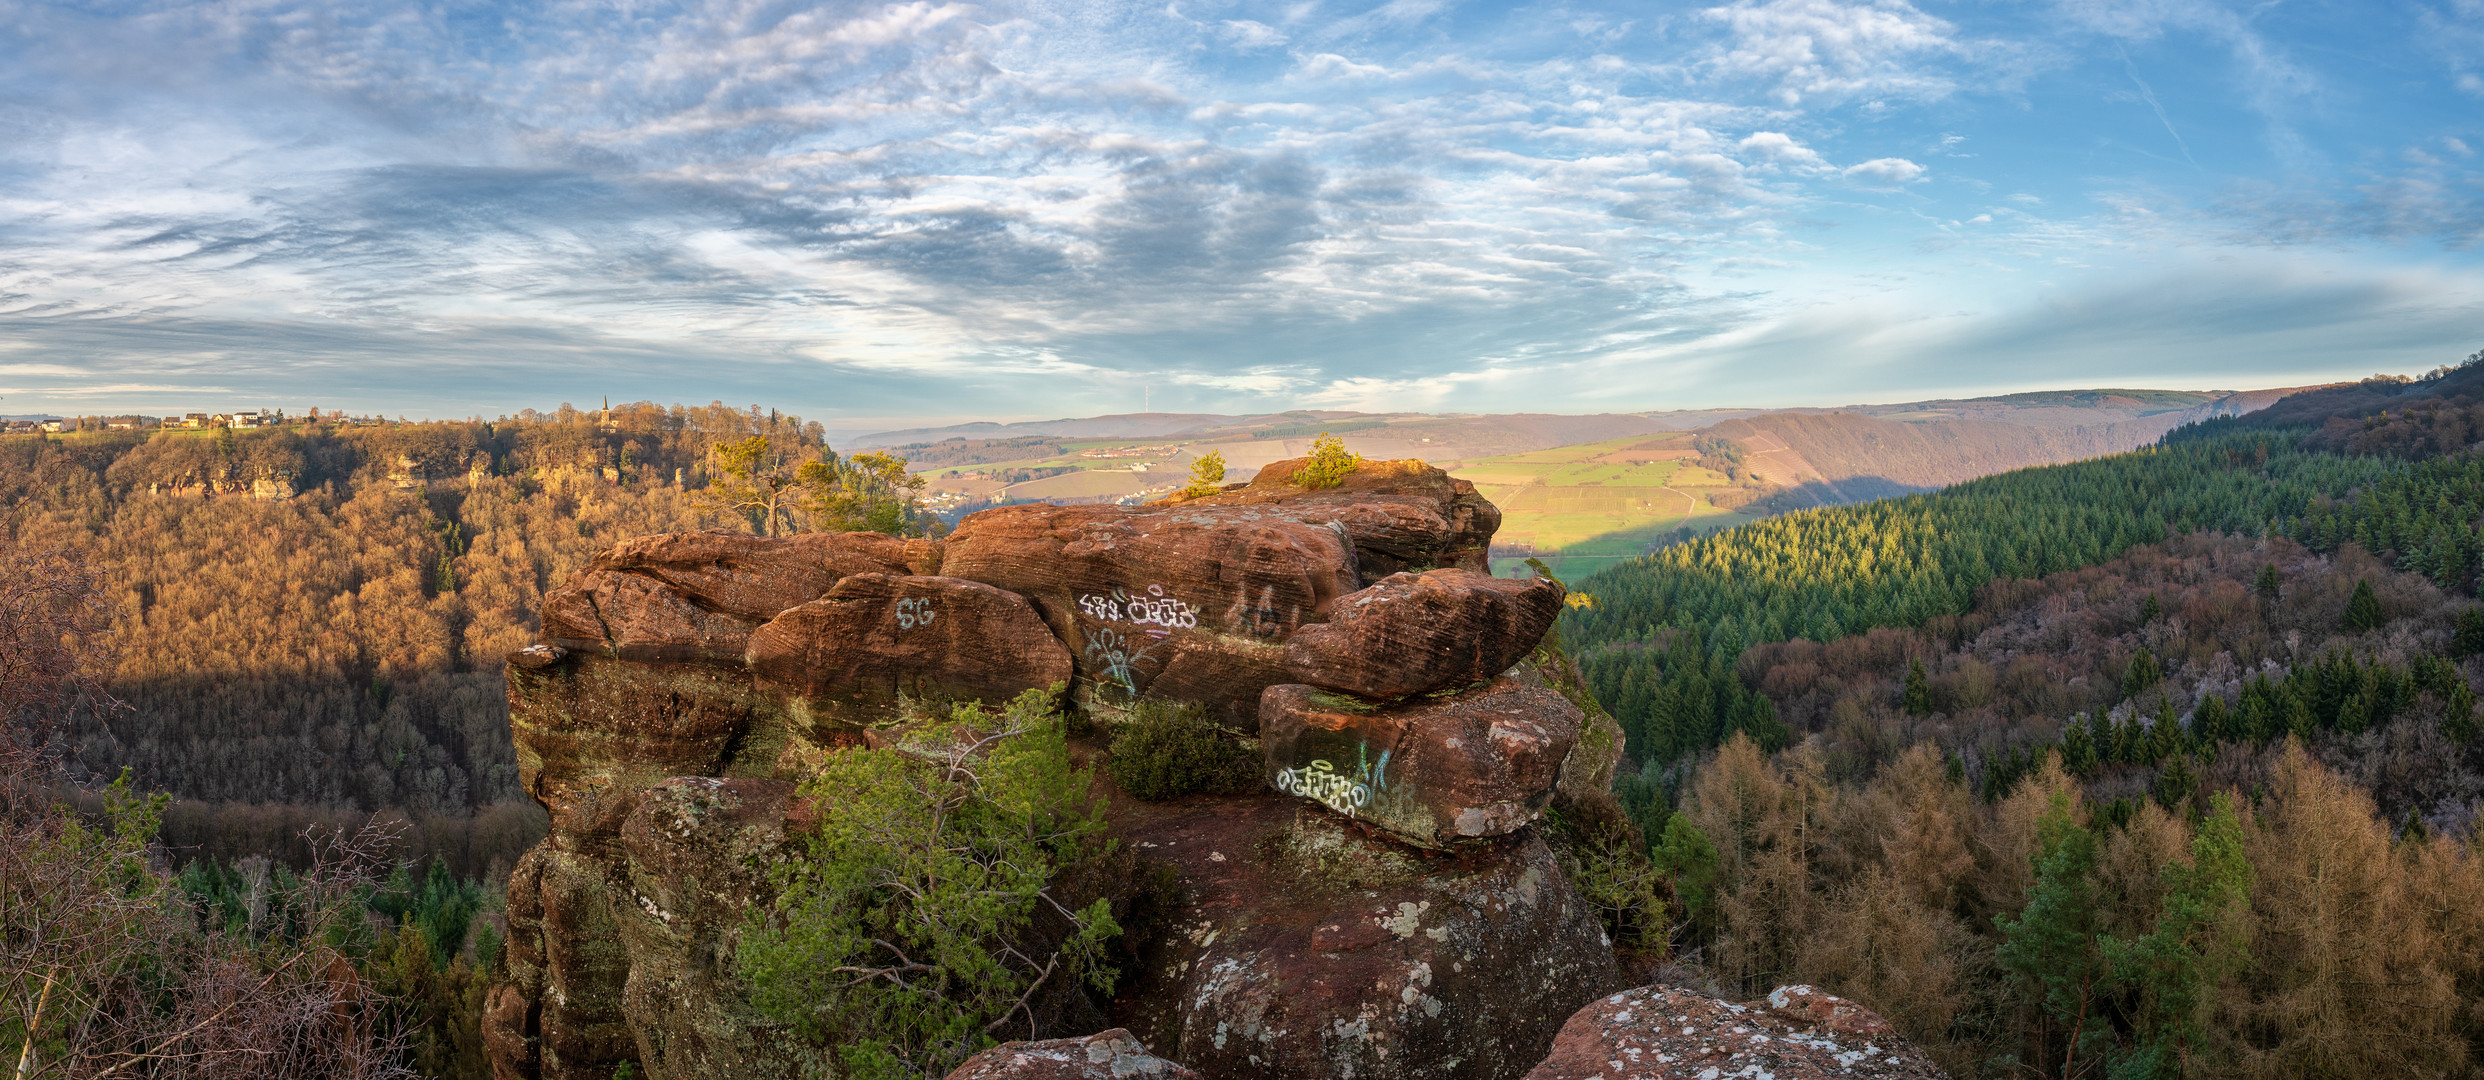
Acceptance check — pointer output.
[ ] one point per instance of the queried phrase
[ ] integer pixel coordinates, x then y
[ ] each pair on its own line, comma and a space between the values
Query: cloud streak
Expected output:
927, 208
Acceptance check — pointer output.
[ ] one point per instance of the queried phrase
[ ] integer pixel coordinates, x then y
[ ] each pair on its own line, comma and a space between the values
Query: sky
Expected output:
876, 214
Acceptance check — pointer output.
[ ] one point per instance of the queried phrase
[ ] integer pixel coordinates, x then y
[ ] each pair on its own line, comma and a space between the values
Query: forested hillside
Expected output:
338, 652
2162, 764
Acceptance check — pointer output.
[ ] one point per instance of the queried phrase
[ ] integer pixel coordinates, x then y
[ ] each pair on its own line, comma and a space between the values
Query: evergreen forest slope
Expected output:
2164, 763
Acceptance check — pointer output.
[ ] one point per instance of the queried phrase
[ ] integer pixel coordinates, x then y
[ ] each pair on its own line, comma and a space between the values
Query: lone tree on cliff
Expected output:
1207, 475
778, 493
761, 484
1330, 463
868, 493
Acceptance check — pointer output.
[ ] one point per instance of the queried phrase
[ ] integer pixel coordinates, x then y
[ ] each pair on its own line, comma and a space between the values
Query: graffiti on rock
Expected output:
914, 611
1111, 656
1260, 620
1344, 792
1153, 612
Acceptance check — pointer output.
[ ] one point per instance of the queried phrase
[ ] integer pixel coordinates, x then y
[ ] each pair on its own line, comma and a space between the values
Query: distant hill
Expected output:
1583, 506
1822, 459
1567, 480
1475, 435
1118, 426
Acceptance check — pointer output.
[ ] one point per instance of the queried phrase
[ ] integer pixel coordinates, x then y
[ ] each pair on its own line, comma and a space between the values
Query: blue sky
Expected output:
874, 213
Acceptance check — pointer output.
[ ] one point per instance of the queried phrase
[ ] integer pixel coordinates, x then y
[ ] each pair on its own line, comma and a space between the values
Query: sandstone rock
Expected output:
537, 656
556, 1014
1111, 1055
1814, 1007
1658, 1033
1200, 598
876, 636
1400, 515
1587, 773
592, 732
637, 618
1431, 772
754, 577
694, 849
1414, 633
1310, 951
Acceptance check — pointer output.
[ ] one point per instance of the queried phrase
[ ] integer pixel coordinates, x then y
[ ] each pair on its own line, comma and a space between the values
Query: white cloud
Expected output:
1777, 148
1827, 49
1246, 34
1885, 172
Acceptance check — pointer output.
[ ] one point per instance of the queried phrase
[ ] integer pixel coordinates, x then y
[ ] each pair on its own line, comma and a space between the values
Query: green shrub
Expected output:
1164, 750
1207, 475
1607, 861
919, 923
1329, 465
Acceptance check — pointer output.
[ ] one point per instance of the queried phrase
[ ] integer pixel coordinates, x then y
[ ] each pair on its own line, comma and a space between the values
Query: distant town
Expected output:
246, 418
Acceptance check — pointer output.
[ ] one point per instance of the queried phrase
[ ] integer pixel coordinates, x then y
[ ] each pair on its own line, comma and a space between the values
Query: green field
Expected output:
1581, 507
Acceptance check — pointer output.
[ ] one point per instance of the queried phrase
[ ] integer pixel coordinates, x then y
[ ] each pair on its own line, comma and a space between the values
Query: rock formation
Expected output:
1383, 912
1796, 1033
1110, 1055
1479, 764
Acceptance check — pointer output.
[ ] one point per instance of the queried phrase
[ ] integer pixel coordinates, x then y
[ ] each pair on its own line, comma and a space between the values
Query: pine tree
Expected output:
1207, 475
2176, 782
2211, 722
2150, 610
2458, 713
2054, 947
2363, 612
2201, 935
2078, 748
2144, 672
1918, 689
2268, 584
1329, 464
2469, 640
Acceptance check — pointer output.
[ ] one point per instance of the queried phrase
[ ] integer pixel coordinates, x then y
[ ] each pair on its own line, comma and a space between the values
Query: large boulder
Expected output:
1432, 772
1110, 1055
1797, 1033
679, 596
637, 618
754, 577
876, 637
1403, 515
1157, 602
592, 732
1414, 633
1310, 950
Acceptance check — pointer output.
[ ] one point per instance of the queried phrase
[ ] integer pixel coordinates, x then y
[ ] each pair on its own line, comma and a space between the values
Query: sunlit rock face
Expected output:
1383, 909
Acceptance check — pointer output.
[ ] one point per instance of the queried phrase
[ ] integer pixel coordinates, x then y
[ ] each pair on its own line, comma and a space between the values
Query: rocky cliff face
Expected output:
1382, 909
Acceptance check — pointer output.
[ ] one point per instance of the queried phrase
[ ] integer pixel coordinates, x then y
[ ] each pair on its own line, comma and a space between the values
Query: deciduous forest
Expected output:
337, 653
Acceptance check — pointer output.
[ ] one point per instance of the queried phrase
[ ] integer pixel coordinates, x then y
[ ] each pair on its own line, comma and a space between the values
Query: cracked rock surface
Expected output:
1796, 1033
1110, 1055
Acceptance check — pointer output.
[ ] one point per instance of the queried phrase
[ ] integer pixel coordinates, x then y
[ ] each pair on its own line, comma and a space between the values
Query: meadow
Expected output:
1581, 508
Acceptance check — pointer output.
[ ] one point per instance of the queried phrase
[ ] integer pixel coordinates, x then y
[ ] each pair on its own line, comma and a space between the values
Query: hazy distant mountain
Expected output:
1117, 426
1871, 452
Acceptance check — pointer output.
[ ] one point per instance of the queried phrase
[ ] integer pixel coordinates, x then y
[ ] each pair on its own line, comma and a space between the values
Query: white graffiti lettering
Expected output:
1154, 609
914, 611
1344, 793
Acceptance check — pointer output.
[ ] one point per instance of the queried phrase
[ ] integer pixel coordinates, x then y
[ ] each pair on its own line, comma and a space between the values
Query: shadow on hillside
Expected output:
1818, 493
1574, 561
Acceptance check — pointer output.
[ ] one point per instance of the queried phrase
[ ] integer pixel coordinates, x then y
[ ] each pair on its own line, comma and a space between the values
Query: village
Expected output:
243, 419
